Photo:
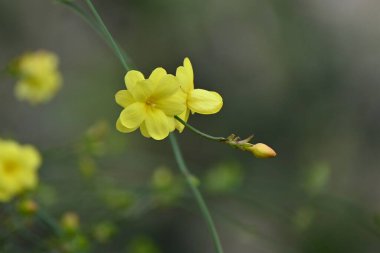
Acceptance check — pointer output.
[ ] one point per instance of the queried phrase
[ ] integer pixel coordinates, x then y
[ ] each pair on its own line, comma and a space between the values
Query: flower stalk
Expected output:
108, 35
197, 194
260, 150
193, 129
176, 149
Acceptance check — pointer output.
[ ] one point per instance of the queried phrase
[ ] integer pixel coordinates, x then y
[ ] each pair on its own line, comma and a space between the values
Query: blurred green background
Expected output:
302, 76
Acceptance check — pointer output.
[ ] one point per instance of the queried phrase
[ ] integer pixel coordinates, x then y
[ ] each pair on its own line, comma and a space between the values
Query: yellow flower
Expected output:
198, 100
150, 104
39, 77
18, 168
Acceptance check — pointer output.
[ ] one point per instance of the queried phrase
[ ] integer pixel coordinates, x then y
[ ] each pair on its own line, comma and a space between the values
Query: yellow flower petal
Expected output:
157, 124
122, 128
157, 74
189, 68
144, 131
167, 86
133, 115
204, 102
29, 180
124, 98
173, 105
184, 116
132, 77
32, 158
171, 123
185, 75
11, 174
184, 79
142, 90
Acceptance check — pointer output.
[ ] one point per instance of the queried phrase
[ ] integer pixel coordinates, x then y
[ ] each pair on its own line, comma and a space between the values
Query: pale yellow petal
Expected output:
167, 86
28, 180
185, 75
157, 124
132, 77
11, 182
189, 68
204, 102
184, 116
31, 157
144, 131
173, 105
171, 123
133, 115
184, 79
124, 98
142, 90
122, 128
157, 74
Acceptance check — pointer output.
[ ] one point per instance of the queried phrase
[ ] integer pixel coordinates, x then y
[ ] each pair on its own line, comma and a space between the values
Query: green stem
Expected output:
49, 221
88, 19
77, 9
176, 149
108, 35
197, 194
210, 137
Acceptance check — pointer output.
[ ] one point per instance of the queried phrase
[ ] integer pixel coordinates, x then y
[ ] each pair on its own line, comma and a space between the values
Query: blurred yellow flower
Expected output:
150, 104
198, 100
18, 168
70, 221
39, 77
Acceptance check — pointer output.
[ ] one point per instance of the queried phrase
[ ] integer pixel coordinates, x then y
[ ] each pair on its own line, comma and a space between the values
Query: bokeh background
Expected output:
301, 75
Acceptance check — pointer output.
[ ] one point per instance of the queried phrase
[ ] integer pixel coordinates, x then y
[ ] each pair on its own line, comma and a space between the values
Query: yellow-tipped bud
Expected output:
70, 221
28, 207
261, 150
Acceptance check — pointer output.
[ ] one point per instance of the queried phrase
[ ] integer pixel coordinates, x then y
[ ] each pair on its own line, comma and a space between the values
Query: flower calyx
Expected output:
259, 150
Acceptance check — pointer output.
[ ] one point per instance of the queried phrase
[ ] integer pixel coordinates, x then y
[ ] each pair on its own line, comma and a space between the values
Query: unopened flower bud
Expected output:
28, 207
261, 150
70, 221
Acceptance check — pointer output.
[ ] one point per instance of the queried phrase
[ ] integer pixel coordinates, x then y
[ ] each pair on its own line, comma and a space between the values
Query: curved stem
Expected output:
197, 194
210, 137
89, 20
77, 9
49, 221
176, 149
108, 35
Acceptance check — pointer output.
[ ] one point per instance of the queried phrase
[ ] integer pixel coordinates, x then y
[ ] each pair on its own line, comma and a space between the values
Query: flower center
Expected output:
150, 103
10, 167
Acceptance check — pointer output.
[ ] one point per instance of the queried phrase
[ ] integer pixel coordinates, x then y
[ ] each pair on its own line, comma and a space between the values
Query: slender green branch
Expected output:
108, 35
82, 13
49, 221
197, 194
210, 137
89, 20
173, 141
